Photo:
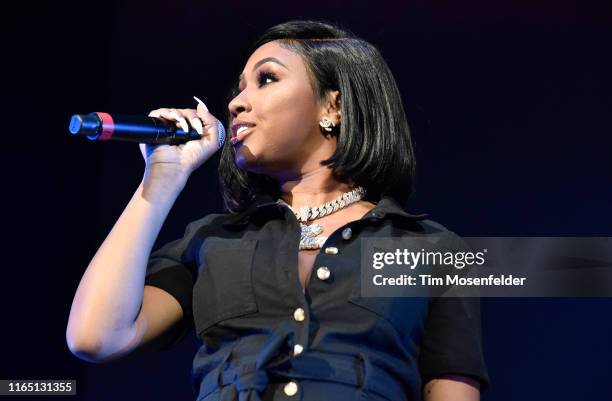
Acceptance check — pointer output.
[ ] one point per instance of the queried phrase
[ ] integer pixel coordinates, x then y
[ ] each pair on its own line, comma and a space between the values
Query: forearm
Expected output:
110, 293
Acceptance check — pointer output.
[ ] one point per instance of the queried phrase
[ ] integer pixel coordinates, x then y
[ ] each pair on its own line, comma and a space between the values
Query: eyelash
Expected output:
262, 76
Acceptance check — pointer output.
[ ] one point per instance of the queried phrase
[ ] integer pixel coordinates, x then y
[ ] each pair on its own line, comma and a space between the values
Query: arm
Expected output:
113, 312
451, 358
452, 388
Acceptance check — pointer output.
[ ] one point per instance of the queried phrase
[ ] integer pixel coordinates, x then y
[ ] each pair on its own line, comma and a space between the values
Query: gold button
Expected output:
291, 388
299, 314
331, 250
347, 233
297, 349
323, 273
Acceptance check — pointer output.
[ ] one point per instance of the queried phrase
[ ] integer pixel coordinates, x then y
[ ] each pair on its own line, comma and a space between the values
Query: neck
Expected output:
313, 188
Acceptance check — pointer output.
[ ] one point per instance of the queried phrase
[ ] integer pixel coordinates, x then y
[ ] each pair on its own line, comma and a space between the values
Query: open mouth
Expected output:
241, 133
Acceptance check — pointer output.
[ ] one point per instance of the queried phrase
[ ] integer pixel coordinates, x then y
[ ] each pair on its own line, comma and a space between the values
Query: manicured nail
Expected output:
181, 120
197, 124
201, 103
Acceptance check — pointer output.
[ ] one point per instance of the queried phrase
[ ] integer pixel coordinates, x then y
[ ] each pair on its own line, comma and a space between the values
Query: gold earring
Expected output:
327, 124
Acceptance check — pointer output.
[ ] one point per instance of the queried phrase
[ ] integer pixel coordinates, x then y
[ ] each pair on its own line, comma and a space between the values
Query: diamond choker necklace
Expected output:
308, 237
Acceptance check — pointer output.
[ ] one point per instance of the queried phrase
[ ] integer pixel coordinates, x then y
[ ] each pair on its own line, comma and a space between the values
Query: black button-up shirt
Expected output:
262, 337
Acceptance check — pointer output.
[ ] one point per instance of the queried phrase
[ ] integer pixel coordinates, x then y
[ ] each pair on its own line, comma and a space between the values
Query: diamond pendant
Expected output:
308, 235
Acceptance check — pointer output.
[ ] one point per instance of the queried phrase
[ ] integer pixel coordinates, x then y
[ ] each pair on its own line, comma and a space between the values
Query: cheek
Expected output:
286, 123
290, 116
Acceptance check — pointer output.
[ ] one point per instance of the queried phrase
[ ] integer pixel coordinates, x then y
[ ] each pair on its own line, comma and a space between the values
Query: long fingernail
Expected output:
197, 124
201, 103
181, 120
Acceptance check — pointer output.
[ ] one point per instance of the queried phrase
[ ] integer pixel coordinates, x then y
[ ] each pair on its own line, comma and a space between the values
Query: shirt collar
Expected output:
266, 203
389, 206
261, 203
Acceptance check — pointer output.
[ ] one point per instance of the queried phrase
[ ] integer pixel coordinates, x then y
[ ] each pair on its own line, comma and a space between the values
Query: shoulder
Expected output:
389, 208
215, 224
434, 228
428, 230
209, 223
448, 239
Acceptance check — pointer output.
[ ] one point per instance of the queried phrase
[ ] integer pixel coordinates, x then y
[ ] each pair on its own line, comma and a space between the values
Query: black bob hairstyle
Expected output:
374, 146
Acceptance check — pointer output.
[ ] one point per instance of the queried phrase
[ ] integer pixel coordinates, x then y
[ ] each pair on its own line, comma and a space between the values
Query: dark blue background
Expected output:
509, 103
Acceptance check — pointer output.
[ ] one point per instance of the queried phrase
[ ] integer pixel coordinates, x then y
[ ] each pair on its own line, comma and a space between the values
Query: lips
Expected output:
239, 130
240, 125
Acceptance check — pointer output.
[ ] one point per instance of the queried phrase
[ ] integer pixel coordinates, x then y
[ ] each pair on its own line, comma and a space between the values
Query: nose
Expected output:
239, 104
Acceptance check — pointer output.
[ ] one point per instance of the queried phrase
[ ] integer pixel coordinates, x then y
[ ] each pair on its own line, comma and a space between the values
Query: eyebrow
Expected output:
263, 61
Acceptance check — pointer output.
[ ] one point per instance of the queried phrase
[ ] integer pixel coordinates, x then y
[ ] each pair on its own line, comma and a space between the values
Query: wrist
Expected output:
160, 187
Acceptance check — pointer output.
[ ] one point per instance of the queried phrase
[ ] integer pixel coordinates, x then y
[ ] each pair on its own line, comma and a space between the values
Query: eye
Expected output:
265, 77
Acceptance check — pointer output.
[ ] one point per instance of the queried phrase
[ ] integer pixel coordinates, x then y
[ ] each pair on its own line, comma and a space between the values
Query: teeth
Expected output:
241, 129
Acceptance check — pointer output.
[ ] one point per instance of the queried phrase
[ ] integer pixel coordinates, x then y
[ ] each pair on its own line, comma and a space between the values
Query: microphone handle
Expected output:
101, 126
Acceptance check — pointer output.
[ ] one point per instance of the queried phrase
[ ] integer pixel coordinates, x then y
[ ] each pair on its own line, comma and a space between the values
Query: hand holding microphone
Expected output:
173, 142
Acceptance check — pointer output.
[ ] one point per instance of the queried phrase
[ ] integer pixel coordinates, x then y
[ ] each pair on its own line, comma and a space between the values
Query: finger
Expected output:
146, 149
143, 149
178, 116
205, 115
166, 114
181, 116
170, 115
159, 112
201, 104
210, 121
196, 122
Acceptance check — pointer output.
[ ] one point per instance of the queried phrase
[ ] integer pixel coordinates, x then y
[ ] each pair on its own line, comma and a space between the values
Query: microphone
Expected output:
100, 126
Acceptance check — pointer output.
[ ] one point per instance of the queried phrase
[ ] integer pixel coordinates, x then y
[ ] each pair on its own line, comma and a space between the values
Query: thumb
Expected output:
201, 106
211, 122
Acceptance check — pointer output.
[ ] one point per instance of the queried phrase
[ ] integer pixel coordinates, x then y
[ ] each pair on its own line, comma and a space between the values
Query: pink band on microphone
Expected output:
108, 126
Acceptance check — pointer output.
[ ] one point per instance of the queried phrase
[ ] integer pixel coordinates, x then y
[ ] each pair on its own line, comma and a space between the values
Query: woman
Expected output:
319, 157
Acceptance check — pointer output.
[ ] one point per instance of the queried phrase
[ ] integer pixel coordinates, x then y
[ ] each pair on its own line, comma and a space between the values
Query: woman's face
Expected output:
278, 103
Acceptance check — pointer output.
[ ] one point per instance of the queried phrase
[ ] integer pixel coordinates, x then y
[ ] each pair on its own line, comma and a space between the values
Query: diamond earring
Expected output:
327, 124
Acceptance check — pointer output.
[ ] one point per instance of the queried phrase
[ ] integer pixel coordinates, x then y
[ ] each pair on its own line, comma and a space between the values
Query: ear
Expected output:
331, 108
